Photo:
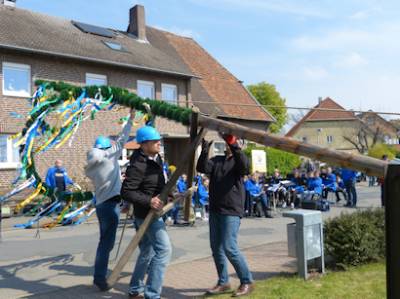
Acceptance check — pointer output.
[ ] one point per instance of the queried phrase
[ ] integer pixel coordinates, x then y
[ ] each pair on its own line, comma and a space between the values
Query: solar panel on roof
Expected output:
87, 28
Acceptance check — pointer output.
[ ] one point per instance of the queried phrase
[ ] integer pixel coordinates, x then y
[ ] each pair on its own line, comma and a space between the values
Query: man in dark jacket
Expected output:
142, 186
227, 196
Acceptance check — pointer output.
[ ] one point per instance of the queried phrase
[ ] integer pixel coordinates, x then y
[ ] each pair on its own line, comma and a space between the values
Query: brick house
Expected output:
145, 60
338, 129
386, 130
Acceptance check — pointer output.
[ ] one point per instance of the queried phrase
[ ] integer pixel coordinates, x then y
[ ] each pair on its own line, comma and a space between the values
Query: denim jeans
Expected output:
223, 240
108, 215
351, 192
154, 256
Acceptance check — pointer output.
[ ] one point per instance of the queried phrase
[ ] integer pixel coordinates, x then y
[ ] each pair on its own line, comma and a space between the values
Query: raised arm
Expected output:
204, 164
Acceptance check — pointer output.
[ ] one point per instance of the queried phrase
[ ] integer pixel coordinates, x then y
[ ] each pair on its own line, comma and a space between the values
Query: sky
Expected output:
344, 49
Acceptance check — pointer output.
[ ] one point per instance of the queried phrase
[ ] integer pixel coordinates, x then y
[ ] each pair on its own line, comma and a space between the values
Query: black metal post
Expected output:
392, 222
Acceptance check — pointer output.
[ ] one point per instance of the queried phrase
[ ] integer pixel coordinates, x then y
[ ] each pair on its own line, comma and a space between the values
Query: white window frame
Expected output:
19, 66
329, 139
96, 77
215, 149
10, 164
146, 83
165, 85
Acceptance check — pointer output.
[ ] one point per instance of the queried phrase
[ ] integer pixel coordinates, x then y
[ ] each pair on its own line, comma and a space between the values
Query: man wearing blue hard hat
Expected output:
142, 186
103, 170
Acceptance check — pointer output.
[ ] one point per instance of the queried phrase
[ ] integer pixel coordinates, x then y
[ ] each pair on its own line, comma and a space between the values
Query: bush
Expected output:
284, 161
380, 149
354, 239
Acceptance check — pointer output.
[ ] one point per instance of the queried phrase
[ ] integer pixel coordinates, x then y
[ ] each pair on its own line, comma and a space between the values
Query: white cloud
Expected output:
364, 14
333, 40
298, 8
360, 15
180, 31
315, 72
378, 38
351, 60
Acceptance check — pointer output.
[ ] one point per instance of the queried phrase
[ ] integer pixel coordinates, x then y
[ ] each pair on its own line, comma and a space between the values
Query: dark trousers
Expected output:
337, 192
108, 215
351, 193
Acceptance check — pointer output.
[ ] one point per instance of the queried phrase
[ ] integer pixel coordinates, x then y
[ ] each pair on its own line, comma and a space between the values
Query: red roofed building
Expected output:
333, 127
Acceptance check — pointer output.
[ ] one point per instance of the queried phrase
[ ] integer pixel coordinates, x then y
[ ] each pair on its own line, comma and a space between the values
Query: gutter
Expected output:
96, 60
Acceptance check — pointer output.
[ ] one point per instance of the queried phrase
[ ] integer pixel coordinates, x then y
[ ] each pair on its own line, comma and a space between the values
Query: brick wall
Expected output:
74, 157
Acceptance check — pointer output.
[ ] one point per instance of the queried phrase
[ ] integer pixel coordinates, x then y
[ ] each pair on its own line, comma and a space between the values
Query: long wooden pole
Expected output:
365, 164
154, 214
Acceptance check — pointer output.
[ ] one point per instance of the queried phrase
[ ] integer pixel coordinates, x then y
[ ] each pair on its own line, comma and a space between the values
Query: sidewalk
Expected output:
191, 279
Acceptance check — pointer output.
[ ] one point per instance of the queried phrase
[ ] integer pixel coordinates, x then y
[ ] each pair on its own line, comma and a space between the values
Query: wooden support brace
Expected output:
192, 163
154, 214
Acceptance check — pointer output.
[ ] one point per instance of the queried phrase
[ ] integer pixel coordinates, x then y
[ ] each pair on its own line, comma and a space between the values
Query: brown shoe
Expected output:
136, 296
219, 289
243, 290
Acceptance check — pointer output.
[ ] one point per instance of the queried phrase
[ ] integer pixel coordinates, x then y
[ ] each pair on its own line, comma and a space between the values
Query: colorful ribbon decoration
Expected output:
71, 105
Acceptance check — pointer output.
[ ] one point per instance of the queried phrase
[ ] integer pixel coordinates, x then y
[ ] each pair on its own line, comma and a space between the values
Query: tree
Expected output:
266, 94
363, 138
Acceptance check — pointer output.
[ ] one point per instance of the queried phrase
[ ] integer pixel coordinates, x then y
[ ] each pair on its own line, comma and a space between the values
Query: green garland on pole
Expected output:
119, 96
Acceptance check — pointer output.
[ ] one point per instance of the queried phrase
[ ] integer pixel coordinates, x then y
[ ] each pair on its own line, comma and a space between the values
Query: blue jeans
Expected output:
154, 256
351, 192
223, 241
108, 215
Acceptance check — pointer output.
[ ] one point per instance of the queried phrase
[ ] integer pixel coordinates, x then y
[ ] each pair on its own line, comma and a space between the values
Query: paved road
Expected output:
63, 257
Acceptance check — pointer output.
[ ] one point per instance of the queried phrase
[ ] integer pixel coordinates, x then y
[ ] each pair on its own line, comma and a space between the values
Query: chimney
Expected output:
319, 100
10, 3
137, 22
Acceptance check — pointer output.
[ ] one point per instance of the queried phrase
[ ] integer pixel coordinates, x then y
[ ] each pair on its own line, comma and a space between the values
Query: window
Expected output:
145, 89
219, 148
16, 80
9, 155
329, 139
95, 79
115, 46
169, 93
304, 139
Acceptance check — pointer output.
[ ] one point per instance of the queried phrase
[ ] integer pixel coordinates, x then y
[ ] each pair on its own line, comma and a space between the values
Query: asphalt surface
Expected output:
63, 256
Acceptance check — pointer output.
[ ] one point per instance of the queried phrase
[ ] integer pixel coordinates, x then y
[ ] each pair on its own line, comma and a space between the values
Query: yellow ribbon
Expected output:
12, 137
30, 198
60, 217
48, 141
65, 139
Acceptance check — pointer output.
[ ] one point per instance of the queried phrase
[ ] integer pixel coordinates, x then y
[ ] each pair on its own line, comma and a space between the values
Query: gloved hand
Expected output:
230, 139
205, 145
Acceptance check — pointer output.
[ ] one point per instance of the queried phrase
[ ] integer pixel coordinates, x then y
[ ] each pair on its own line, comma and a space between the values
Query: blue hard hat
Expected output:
147, 133
102, 142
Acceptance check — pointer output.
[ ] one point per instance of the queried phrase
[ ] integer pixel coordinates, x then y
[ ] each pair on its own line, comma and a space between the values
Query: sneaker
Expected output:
135, 296
219, 289
243, 290
103, 286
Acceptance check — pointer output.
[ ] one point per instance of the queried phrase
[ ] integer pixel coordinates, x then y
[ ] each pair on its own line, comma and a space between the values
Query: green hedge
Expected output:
356, 238
284, 161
